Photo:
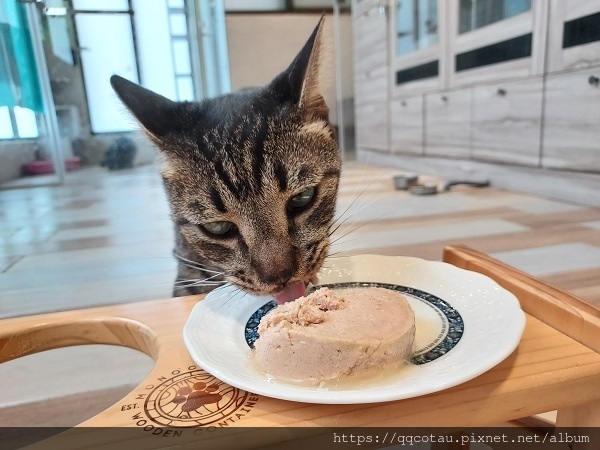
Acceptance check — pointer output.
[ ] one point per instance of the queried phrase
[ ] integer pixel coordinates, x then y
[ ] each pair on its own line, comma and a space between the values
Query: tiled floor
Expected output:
105, 238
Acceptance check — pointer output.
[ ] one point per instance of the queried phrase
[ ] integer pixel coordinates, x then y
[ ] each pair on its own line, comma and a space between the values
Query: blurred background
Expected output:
58, 113
501, 90
507, 90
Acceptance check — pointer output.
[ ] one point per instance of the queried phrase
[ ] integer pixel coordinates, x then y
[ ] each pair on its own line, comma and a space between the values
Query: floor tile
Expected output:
552, 259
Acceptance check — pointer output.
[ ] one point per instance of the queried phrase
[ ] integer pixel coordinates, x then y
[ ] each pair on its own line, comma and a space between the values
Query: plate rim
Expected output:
329, 396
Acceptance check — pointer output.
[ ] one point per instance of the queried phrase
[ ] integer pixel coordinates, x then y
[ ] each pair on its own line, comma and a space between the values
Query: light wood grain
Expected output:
531, 380
372, 126
371, 86
579, 188
434, 52
407, 125
494, 32
559, 309
580, 56
571, 133
371, 77
448, 123
370, 40
532, 21
506, 128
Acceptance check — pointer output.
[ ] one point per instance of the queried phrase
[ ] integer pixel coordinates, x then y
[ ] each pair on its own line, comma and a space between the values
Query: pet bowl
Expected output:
404, 181
424, 189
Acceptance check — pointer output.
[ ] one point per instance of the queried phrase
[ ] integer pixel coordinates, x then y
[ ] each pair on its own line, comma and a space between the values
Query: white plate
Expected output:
466, 324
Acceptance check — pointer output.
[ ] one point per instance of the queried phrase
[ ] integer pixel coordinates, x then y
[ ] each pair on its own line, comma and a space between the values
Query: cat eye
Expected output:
302, 199
219, 228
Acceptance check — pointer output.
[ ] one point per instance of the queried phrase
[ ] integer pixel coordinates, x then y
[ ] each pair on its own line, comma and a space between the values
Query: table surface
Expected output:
556, 366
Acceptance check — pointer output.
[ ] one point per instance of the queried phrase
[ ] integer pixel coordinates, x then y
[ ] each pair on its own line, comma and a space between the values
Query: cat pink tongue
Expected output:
291, 292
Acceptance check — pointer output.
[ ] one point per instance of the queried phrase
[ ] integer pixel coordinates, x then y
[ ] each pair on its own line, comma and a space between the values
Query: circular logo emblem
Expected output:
193, 399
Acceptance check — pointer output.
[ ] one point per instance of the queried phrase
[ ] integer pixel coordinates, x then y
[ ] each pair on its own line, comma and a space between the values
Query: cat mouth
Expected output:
291, 292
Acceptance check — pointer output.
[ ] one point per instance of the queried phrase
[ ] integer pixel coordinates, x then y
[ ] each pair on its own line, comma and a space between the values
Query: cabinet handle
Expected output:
403, 103
444, 98
381, 6
593, 80
501, 92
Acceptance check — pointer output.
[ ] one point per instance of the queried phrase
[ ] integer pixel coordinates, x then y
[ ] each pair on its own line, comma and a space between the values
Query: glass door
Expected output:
30, 149
213, 63
58, 112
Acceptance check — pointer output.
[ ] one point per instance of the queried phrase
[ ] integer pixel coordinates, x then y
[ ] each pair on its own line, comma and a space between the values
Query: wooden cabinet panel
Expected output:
372, 85
370, 41
448, 123
573, 38
506, 122
572, 121
407, 125
371, 77
372, 126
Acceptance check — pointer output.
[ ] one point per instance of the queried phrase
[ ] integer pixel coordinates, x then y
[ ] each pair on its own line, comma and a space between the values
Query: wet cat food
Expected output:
330, 334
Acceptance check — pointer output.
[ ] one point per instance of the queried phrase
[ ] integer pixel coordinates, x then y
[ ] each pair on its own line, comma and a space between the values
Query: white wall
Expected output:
263, 45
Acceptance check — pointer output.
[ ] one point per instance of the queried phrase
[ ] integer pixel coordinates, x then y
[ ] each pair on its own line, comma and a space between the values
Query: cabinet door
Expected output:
571, 121
448, 123
574, 34
371, 86
506, 122
370, 40
493, 40
407, 125
371, 77
372, 126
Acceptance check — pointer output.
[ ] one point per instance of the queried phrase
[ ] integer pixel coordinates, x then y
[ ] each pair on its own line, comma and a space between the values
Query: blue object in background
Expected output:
19, 83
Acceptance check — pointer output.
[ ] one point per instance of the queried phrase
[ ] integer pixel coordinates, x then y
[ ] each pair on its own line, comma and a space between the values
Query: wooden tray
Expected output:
555, 367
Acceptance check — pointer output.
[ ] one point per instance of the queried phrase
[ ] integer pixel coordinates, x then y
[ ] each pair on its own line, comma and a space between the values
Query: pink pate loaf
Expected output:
330, 334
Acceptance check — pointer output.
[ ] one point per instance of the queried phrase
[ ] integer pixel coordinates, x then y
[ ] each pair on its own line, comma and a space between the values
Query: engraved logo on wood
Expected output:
193, 398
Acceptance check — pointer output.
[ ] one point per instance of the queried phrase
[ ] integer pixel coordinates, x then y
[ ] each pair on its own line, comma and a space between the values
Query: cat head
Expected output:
251, 177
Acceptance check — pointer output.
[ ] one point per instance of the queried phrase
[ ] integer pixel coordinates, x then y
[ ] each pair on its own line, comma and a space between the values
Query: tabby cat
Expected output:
251, 178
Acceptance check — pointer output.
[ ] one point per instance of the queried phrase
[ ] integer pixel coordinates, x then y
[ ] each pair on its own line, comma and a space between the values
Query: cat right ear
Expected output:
299, 84
153, 111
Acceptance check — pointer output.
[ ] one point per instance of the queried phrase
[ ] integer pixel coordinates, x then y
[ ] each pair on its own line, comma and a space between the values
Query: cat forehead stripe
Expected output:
259, 154
281, 175
217, 200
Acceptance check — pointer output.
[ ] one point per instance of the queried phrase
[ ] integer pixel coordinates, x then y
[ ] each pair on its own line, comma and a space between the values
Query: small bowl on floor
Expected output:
424, 189
404, 181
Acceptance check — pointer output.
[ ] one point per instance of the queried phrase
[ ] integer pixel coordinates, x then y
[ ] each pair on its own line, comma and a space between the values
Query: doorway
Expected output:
58, 114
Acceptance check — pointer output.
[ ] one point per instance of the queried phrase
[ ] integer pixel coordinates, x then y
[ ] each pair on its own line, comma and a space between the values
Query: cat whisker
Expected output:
203, 279
226, 305
194, 264
347, 209
355, 211
334, 255
362, 176
344, 232
349, 229
199, 283
338, 240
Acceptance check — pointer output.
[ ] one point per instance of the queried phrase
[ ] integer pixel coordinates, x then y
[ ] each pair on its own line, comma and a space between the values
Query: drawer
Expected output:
448, 123
506, 122
371, 86
407, 125
372, 126
572, 121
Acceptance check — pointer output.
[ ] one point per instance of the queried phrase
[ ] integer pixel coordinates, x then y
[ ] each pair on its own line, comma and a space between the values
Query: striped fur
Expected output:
240, 158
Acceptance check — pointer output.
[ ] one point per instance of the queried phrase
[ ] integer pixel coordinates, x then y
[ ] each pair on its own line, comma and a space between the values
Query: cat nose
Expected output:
276, 267
280, 277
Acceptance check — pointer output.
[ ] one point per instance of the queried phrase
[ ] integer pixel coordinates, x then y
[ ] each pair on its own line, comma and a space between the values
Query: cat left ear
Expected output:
299, 83
152, 110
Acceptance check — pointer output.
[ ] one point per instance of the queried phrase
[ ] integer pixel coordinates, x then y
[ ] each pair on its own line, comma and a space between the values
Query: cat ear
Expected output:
299, 83
152, 110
